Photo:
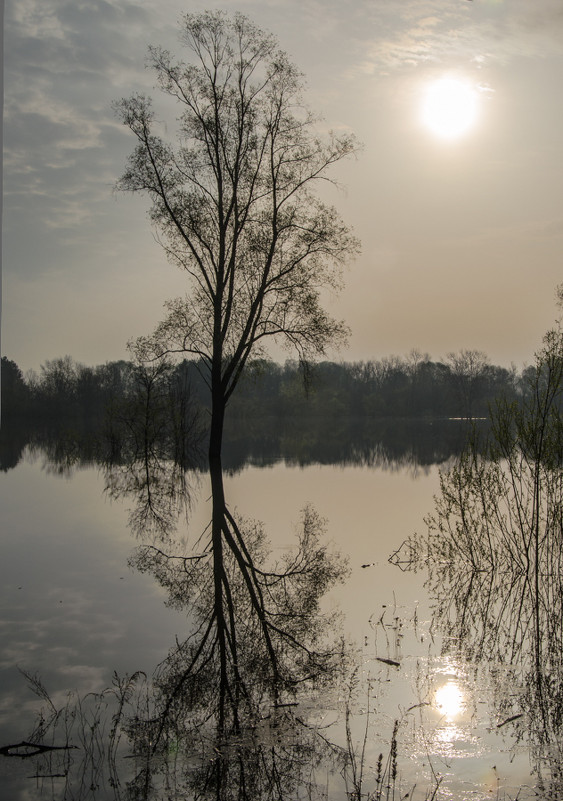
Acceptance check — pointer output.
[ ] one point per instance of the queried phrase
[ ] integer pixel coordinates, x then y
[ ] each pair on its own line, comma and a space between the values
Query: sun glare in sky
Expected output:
449, 107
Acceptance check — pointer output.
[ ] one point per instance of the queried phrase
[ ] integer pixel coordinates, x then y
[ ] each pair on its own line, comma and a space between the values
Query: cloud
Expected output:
418, 32
65, 62
70, 243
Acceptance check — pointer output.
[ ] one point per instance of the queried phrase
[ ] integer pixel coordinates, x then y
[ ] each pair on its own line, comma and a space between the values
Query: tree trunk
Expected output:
217, 525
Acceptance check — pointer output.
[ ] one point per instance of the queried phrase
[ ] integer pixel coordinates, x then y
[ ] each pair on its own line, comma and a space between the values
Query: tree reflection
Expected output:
278, 754
157, 488
494, 555
275, 758
154, 438
258, 638
240, 707
230, 711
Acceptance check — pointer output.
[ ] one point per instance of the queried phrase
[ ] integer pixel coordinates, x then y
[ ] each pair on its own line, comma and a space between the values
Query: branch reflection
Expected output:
234, 710
494, 556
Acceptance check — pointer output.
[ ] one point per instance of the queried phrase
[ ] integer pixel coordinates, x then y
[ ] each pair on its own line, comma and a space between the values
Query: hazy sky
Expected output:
462, 238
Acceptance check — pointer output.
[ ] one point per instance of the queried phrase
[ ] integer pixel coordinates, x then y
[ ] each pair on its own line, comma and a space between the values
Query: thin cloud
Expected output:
65, 62
432, 31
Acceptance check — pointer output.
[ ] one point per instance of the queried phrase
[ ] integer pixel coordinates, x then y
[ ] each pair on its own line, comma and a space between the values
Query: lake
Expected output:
75, 609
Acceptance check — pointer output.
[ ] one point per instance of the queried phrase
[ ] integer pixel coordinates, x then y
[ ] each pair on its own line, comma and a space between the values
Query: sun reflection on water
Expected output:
451, 702
449, 699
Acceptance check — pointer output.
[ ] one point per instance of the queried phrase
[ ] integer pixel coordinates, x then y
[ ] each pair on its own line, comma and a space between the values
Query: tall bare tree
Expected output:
234, 202
235, 206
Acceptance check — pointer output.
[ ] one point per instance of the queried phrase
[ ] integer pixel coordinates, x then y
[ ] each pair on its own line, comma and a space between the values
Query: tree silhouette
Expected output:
235, 207
234, 203
252, 656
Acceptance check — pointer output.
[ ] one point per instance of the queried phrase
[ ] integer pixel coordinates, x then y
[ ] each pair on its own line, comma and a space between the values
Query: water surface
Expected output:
74, 611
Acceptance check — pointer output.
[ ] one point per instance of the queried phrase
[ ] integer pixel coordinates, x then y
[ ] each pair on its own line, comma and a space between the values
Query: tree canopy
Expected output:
234, 200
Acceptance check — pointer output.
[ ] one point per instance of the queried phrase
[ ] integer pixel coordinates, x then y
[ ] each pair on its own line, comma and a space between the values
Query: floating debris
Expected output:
388, 661
26, 749
509, 720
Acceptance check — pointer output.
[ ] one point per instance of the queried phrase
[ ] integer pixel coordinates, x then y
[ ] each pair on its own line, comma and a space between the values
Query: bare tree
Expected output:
234, 203
235, 208
468, 369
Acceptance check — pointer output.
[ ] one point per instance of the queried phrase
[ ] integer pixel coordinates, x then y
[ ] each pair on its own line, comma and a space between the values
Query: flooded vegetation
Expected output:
493, 554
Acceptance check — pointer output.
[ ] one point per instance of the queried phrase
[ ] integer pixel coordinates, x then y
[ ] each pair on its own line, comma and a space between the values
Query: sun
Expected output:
450, 107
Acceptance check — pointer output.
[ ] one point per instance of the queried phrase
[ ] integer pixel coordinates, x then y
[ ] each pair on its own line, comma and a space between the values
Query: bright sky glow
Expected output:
450, 107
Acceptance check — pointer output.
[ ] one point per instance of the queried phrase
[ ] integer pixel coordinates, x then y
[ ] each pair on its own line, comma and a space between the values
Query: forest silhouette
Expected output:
410, 410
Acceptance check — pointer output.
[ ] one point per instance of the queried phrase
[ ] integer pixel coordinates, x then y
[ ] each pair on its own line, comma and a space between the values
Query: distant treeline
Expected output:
388, 412
66, 393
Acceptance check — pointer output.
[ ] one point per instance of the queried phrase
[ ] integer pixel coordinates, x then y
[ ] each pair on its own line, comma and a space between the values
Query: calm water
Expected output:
74, 611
